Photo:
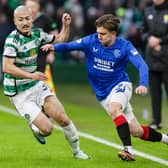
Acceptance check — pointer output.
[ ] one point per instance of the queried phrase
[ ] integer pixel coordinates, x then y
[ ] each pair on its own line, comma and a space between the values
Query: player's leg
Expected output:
38, 122
54, 109
41, 127
141, 131
114, 104
147, 133
120, 121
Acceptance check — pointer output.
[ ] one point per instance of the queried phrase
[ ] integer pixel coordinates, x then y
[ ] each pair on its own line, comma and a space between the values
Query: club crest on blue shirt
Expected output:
95, 49
79, 40
116, 53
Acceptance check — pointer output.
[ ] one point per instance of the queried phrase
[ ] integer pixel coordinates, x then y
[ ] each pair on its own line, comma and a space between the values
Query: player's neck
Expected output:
111, 42
27, 34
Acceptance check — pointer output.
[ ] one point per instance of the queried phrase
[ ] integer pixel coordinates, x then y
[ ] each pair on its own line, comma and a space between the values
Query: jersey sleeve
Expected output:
10, 48
136, 59
46, 38
80, 44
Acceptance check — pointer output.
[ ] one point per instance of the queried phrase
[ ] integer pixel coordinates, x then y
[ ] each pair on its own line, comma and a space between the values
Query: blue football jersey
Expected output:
106, 66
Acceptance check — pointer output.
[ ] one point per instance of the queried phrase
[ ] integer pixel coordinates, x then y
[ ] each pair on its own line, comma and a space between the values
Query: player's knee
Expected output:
47, 129
63, 120
136, 132
114, 109
113, 112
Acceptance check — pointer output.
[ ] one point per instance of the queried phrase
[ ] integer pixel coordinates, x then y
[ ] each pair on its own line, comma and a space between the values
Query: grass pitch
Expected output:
19, 148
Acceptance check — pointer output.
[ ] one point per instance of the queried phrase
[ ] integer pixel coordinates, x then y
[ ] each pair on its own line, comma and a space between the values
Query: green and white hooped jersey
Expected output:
24, 49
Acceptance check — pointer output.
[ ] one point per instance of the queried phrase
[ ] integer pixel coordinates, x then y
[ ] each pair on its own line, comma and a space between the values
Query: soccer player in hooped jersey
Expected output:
25, 86
106, 58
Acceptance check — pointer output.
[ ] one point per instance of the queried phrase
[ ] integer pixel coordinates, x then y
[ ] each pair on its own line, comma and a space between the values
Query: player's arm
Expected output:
10, 68
63, 47
80, 44
136, 59
65, 31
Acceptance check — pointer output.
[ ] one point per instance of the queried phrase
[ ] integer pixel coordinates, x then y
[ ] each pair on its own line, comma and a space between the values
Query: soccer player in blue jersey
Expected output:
106, 58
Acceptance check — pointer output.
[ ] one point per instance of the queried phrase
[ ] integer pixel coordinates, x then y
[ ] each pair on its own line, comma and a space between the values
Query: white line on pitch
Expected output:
100, 140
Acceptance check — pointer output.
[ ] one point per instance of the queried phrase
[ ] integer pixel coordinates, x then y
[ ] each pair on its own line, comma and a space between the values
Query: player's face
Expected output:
106, 37
34, 6
23, 21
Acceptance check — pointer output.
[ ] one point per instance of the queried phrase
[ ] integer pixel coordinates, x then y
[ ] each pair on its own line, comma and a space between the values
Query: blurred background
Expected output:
84, 14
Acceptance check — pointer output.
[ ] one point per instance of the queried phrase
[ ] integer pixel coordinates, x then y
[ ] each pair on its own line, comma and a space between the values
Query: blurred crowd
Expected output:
84, 13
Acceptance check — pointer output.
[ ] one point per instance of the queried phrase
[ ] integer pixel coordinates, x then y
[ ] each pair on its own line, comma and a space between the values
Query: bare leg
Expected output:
146, 133
54, 109
44, 124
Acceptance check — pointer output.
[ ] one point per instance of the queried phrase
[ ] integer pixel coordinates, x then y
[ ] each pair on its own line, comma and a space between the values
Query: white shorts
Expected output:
121, 93
29, 103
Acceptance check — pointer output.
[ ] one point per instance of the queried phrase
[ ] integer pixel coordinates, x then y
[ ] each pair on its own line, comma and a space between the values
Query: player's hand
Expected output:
66, 19
38, 76
47, 47
141, 90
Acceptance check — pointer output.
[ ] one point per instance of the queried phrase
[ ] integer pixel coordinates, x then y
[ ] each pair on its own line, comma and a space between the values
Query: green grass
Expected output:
19, 148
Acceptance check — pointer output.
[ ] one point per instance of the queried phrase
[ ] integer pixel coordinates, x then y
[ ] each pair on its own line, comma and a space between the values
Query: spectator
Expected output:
6, 26
155, 34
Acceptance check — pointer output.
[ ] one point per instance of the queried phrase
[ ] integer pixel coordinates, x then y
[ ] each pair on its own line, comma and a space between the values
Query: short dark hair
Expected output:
109, 22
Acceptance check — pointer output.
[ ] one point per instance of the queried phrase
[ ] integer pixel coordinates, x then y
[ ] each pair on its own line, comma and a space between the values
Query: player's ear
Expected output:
114, 33
14, 21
